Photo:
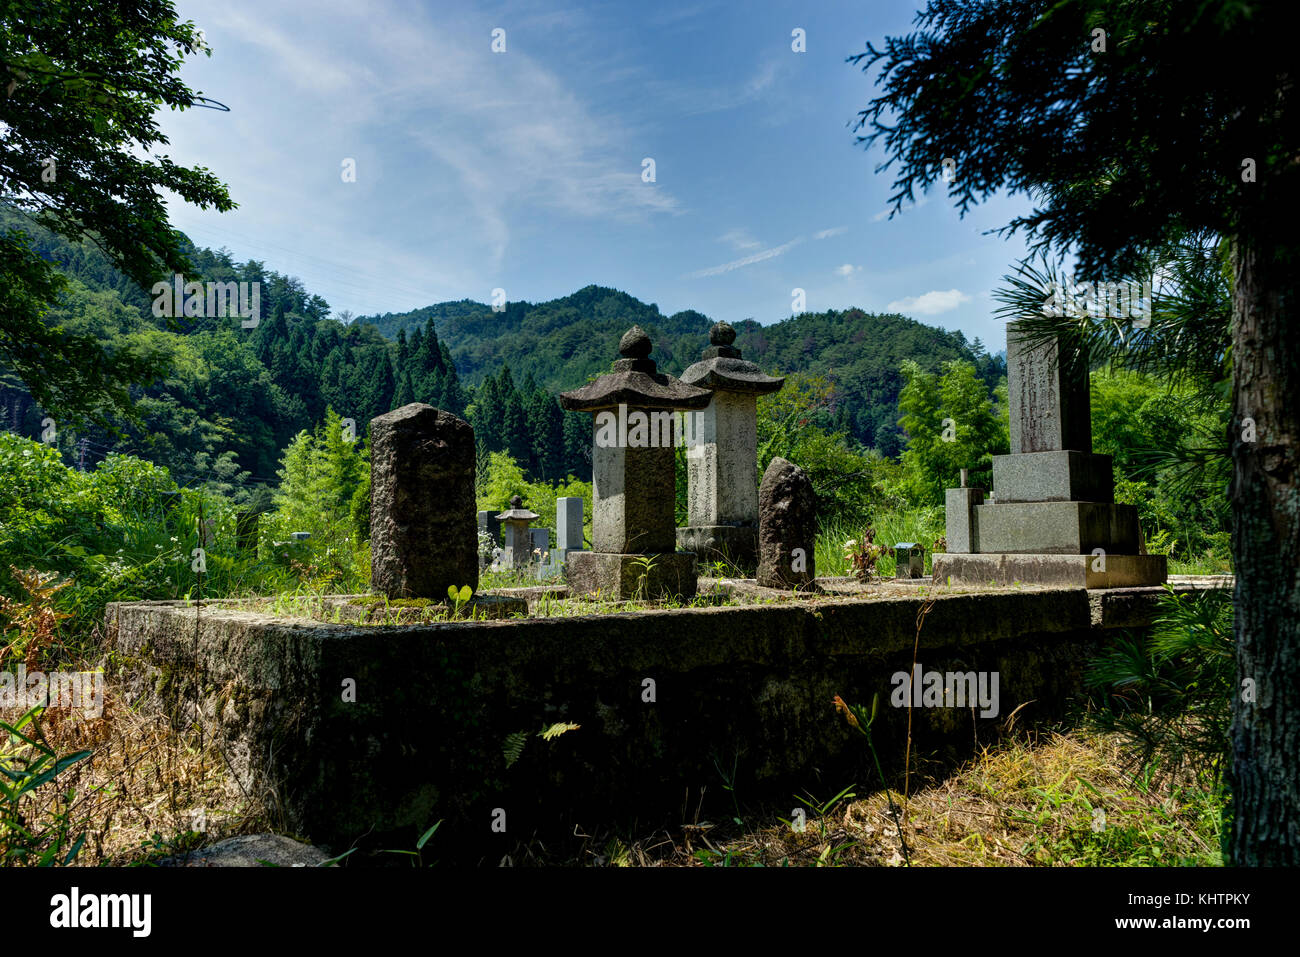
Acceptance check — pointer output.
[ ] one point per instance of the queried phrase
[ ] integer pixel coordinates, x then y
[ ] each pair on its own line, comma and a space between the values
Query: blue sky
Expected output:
523, 170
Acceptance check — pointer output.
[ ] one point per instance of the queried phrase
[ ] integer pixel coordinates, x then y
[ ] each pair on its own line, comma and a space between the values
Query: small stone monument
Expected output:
487, 522
422, 535
634, 534
568, 528
722, 454
1054, 520
787, 527
519, 542
909, 560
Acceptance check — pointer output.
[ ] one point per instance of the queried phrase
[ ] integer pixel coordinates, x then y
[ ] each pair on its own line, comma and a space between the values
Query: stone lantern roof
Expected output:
517, 512
636, 383
723, 368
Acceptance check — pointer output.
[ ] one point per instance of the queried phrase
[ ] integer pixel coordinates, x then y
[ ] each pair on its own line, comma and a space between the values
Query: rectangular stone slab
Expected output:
962, 530
1050, 406
1059, 528
1117, 571
617, 577
1064, 476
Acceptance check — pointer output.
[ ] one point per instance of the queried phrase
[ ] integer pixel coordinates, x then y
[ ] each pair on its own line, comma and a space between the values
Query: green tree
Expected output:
1129, 139
320, 476
80, 81
951, 424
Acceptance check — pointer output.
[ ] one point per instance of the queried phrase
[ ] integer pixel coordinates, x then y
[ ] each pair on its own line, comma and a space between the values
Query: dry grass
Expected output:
145, 792
1028, 802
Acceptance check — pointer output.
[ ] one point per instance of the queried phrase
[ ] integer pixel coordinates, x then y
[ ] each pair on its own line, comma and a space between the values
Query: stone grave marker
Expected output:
787, 527
422, 533
1054, 520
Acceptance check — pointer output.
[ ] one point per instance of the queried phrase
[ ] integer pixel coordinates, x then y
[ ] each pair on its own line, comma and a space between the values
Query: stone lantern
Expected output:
722, 454
518, 540
636, 426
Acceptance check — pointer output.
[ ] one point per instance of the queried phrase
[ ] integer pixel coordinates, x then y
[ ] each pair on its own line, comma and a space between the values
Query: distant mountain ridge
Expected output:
564, 341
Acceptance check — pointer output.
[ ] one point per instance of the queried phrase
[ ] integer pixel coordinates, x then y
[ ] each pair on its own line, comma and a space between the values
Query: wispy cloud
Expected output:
739, 239
931, 303
746, 261
846, 270
828, 233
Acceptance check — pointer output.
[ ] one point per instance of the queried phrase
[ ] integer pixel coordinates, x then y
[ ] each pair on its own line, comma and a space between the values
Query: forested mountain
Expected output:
231, 398
562, 342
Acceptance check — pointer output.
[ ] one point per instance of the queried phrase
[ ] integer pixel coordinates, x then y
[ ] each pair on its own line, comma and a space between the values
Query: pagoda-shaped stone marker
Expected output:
422, 530
519, 542
634, 533
1053, 519
722, 454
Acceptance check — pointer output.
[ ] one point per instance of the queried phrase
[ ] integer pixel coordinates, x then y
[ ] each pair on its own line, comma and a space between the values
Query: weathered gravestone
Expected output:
722, 454
422, 532
1054, 519
568, 527
787, 527
487, 522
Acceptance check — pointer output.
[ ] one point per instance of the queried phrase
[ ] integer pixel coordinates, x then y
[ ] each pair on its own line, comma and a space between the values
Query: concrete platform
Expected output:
1117, 571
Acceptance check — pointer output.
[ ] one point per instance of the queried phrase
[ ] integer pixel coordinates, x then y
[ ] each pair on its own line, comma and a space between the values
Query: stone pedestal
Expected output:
1087, 571
625, 577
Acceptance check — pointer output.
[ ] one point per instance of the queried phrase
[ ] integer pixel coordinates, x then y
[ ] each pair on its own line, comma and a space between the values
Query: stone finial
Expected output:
635, 382
722, 368
516, 501
635, 344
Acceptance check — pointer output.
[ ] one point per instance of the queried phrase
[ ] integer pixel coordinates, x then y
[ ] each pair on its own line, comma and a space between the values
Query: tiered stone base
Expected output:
1118, 571
621, 577
729, 543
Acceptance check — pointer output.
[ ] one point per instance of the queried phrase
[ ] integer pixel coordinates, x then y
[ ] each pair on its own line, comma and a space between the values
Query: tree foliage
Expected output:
79, 86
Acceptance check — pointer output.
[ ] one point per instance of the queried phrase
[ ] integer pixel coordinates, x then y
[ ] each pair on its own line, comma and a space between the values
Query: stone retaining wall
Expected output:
748, 688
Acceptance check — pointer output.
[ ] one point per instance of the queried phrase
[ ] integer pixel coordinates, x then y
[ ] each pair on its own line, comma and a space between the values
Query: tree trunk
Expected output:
1265, 542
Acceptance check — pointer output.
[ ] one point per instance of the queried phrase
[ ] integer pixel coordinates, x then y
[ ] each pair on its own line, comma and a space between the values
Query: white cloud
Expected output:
828, 233
739, 239
747, 261
931, 303
846, 270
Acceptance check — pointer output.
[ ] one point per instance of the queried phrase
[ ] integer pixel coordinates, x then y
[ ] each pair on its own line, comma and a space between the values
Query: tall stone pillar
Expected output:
422, 530
633, 480
722, 454
1053, 519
